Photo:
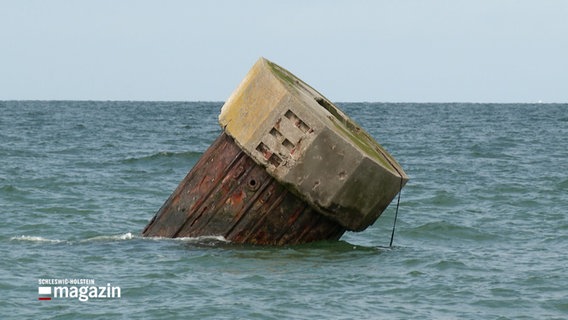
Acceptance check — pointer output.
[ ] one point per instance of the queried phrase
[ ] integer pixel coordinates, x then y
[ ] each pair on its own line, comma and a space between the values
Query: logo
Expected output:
80, 289
44, 293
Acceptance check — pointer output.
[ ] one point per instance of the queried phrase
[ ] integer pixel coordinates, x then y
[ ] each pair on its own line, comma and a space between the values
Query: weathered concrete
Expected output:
312, 147
289, 168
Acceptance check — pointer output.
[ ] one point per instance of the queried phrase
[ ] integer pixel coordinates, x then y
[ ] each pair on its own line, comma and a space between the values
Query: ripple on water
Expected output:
443, 230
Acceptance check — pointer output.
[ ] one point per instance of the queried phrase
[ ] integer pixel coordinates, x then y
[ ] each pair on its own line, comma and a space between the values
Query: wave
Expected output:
164, 155
39, 239
200, 239
9, 188
446, 230
125, 236
35, 239
120, 237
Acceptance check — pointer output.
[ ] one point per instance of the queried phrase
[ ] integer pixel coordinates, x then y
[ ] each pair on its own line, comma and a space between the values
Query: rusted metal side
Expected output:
228, 194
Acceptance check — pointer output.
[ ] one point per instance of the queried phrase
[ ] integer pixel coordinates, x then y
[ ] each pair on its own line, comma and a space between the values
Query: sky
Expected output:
377, 51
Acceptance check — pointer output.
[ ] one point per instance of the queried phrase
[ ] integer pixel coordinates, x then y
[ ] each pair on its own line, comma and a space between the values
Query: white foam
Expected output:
123, 236
202, 238
35, 239
190, 239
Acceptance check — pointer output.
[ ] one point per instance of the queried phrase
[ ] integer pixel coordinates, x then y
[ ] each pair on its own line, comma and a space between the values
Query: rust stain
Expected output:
227, 193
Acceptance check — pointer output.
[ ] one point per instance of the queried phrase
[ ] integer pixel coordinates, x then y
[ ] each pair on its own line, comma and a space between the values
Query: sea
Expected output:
481, 232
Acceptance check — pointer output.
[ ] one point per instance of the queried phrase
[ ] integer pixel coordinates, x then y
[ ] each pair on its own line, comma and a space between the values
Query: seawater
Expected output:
482, 230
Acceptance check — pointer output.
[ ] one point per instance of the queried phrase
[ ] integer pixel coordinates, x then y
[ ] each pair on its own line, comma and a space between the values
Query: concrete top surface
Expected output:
308, 144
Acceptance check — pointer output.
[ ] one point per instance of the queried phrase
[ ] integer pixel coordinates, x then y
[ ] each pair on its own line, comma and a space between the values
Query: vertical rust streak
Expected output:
249, 205
309, 228
294, 216
229, 187
206, 196
163, 218
260, 219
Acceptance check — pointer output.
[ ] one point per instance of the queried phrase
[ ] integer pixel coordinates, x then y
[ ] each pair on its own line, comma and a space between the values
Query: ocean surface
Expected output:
482, 229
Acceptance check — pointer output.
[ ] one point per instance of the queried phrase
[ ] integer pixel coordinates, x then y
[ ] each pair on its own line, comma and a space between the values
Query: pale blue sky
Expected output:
394, 51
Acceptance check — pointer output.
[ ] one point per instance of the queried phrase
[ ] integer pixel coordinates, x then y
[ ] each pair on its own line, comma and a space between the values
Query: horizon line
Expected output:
221, 101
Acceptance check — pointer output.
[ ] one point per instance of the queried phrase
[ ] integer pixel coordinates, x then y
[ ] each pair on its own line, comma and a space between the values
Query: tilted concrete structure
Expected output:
289, 167
311, 146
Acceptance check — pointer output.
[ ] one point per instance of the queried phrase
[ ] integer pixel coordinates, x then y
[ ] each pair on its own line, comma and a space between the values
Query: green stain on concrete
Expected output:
362, 140
346, 125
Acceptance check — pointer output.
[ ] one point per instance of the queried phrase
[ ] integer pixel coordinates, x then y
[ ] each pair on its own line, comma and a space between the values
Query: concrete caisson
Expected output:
324, 172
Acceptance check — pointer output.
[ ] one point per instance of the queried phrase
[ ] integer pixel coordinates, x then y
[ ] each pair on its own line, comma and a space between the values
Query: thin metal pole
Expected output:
396, 213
